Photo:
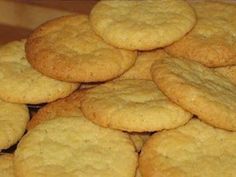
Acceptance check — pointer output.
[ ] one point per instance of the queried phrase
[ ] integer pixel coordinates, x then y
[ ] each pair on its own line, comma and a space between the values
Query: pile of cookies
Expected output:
136, 88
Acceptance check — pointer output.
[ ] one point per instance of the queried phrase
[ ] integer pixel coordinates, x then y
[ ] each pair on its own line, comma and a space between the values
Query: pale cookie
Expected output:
69, 106
132, 105
13, 120
194, 150
198, 89
141, 68
20, 83
142, 25
229, 72
6, 165
67, 49
139, 139
72, 147
212, 42
138, 174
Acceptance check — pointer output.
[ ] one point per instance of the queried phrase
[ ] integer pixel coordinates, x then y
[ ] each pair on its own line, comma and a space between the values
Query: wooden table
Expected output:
19, 17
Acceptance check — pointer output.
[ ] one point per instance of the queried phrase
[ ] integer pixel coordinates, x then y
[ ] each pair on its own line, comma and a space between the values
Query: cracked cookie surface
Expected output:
142, 25
67, 49
132, 105
198, 89
72, 147
21, 83
193, 150
212, 41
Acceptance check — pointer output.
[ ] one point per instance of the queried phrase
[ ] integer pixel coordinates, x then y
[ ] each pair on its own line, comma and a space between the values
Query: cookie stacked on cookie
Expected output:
158, 96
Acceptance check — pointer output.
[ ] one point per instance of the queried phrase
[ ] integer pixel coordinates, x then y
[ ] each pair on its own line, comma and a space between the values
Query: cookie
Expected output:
132, 105
6, 165
198, 89
195, 149
141, 68
89, 85
142, 25
229, 72
69, 106
212, 41
76, 147
139, 139
13, 120
67, 49
20, 83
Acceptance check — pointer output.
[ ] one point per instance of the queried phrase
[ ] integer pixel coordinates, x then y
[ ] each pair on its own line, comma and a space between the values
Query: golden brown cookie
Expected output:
142, 25
141, 68
6, 165
69, 106
89, 85
229, 72
198, 89
72, 147
139, 139
212, 41
67, 49
20, 83
132, 105
13, 120
196, 150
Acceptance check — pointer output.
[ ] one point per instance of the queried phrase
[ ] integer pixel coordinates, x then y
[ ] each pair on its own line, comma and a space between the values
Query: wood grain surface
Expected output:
19, 17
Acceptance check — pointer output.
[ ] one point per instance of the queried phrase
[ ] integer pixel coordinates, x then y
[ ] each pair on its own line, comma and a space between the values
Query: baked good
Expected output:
133, 106
67, 49
6, 165
195, 149
212, 41
198, 89
72, 147
13, 120
69, 106
228, 71
20, 83
141, 68
142, 25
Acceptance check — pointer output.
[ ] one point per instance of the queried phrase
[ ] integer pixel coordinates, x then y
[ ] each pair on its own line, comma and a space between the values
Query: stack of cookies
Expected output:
136, 88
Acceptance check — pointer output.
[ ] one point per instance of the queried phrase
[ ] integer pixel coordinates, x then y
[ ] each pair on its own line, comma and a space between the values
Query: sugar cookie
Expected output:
142, 25
132, 105
198, 89
196, 150
67, 49
6, 165
212, 41
20, 83
13, 120
141, 68
72, 147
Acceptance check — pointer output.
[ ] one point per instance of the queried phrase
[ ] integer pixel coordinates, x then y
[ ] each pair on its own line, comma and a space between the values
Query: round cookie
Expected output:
13, 120
76, 147
67, 49
196, 150
229, 72
141, 68
198, 89
212, 41
132, 105
20, 83
6, 165
142, 25
69, 106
